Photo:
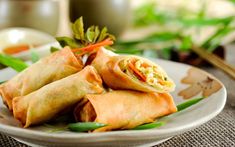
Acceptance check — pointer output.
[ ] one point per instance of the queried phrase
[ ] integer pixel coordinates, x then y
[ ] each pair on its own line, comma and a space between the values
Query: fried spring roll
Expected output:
44, 104
123, 109
54, 67
131, 72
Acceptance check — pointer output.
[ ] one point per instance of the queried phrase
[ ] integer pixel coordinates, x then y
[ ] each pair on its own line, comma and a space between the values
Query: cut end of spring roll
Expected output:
132, 72
147, 72
47, 102
52, 68
123, 109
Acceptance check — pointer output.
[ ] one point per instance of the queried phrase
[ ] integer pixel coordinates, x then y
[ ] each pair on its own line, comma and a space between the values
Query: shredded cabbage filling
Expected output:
150, 74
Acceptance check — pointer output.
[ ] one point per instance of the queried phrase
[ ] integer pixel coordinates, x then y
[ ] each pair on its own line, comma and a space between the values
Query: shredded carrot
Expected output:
161, 82
137, 73
145, 65
81, 54
93, 46
86, 52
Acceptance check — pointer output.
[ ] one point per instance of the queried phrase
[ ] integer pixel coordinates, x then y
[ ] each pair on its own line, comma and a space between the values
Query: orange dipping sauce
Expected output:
16, 49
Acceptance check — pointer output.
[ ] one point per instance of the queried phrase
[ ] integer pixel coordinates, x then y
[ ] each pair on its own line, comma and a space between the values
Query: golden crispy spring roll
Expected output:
124, 109
54, 67
131, 72
45, 103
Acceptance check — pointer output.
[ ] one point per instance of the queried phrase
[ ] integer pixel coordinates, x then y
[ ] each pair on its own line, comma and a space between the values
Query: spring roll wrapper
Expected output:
54, 67
44, 104
107, 65
124, 109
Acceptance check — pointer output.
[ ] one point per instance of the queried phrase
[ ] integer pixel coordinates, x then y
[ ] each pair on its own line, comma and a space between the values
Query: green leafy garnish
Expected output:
66, 41
12, 62
54, 49
104, 34
78, 29
85, 126
149, 126
84, 37
92, 34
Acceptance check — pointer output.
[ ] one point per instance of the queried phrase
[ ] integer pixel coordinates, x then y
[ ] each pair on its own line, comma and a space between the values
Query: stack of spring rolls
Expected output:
138, 90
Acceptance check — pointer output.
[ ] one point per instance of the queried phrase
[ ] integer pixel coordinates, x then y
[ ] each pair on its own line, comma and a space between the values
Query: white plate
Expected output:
176, 123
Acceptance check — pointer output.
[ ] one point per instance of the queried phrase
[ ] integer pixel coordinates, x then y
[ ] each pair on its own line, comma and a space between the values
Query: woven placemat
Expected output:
218, 132
6, 141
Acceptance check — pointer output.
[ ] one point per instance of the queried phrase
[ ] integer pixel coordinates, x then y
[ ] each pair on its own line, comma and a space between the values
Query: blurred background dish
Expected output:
114, 14
18, 41
39, 14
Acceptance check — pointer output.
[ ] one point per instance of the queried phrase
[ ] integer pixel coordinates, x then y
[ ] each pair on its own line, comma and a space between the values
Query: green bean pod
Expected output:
85, 126
149, 126
188, 103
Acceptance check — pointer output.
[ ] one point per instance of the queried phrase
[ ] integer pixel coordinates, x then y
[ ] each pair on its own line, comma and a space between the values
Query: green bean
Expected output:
13, 62
188, 103
149, 126
85, 126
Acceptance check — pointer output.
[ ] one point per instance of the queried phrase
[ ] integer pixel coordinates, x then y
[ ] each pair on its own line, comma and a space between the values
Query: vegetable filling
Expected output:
144, 72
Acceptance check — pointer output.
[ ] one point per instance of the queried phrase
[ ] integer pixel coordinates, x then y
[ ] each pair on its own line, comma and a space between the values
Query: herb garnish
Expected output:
84, 38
